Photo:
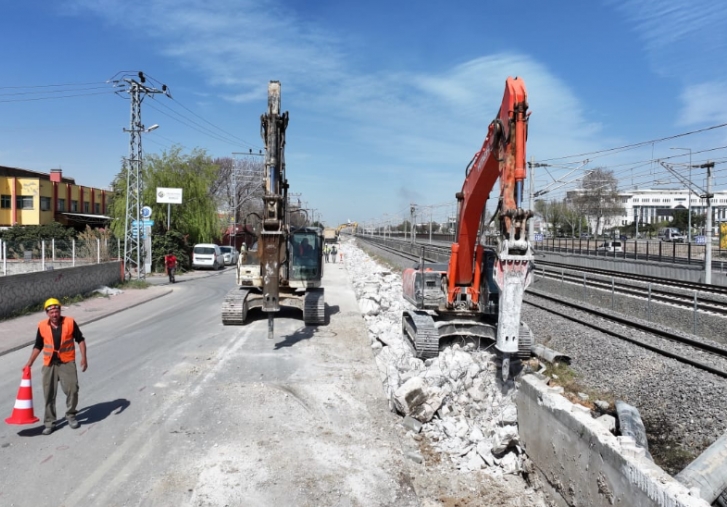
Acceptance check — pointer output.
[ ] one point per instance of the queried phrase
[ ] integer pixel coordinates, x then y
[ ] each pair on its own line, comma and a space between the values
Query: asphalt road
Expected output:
176, 409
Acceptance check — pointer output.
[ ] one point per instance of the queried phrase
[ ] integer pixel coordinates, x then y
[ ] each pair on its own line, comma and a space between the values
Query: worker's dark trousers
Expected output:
67, 375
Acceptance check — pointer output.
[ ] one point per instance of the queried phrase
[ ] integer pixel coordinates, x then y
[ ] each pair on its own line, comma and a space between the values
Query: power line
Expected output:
200, 129
638, 145
215, 126
57, 97
52, 85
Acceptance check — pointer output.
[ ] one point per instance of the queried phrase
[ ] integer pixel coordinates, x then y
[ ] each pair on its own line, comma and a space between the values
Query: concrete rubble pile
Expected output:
457, 400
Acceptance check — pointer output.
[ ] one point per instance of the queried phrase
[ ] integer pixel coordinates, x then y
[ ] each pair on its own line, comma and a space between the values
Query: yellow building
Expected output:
35, 198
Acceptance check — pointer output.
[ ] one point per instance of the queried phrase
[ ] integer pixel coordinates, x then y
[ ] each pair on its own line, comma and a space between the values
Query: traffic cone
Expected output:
23, 410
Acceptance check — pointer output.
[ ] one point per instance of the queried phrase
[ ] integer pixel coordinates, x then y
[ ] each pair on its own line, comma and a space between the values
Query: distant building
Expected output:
35, 198
653, 206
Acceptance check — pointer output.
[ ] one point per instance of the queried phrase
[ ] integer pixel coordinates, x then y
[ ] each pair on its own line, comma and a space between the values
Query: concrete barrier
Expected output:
23, 290
582, 463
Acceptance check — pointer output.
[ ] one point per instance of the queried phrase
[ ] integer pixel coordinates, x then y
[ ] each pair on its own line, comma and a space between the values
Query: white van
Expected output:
207, 255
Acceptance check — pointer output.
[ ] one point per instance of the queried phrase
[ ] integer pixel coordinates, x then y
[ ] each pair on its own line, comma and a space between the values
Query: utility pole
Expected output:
708, 246
134, 230
412, 227
689, 194
531, 222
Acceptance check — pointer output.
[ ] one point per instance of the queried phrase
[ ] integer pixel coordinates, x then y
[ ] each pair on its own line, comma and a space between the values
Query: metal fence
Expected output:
43, 255
654, 250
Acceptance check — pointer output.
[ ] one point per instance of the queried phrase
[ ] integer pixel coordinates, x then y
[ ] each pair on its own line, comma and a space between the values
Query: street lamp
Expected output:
689, 193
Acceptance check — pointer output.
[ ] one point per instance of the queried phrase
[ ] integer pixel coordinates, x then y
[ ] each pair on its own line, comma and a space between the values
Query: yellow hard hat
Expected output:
51, 302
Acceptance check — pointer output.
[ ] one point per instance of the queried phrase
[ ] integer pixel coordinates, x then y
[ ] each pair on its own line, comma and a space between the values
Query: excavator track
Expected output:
314, 307
421, 332
234, 307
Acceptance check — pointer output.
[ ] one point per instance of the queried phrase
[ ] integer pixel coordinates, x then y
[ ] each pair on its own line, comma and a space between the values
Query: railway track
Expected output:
587, 313
656, 289
702, 298
630, 323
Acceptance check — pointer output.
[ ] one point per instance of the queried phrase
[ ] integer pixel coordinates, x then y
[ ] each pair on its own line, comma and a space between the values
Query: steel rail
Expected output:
719, 351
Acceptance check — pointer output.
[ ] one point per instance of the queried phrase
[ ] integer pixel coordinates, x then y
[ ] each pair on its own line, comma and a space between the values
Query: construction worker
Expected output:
55, 338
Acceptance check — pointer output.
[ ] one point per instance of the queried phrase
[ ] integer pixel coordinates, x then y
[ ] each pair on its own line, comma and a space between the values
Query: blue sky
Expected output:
388, 101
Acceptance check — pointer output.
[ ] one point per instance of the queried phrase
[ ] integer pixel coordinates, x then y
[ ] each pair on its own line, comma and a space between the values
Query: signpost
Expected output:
169, 196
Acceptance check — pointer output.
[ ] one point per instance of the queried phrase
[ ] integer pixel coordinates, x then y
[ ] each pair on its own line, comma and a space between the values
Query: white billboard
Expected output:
169, 195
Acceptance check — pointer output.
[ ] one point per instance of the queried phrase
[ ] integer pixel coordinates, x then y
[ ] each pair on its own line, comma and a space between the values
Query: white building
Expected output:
653, 206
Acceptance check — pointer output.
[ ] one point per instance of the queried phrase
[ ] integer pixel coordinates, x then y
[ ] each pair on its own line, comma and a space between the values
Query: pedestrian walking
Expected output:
325, 252
170, 262
333, 253
55, 337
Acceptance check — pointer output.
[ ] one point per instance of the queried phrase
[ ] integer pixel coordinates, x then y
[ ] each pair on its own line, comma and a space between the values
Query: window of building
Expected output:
5, 201
644, 200
74, 205
98, 208
636, 200
45, 204
680, 199
24, 202
61, 205
85, 207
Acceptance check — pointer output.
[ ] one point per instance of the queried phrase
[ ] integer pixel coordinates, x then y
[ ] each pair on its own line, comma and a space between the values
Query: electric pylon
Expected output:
134, 254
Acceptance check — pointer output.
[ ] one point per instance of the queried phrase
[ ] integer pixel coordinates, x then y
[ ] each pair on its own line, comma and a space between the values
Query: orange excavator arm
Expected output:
502, 156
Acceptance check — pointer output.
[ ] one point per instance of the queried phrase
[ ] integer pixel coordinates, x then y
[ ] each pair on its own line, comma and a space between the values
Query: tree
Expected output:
239, 187
681, 220
573, 218
598, 198
552, 213
196, 174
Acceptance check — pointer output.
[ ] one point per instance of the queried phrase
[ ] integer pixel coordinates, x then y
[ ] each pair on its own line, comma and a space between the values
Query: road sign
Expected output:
169, 195
700, 240
145, 212
538, 237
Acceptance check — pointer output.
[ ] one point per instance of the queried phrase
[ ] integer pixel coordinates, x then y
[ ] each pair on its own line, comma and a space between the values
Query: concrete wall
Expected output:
23, 290
582, 463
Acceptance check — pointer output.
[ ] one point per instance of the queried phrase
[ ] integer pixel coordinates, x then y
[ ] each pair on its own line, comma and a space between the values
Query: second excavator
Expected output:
478, 294
285, 266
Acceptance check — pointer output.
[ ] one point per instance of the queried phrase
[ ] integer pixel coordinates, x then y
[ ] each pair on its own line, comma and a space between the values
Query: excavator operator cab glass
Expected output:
305, 248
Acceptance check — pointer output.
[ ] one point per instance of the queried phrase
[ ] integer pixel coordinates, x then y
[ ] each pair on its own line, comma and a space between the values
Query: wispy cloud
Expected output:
704, 103
417, 129
680, 36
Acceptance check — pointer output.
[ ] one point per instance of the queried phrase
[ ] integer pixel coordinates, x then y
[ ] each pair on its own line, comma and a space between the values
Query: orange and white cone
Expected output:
23, 410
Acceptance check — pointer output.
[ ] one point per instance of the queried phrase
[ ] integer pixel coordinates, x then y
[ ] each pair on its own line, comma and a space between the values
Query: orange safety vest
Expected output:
67, 352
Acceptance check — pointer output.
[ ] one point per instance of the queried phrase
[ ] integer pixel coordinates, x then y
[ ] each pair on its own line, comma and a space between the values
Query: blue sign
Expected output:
538, 237
145, 212
700, 240
144, 223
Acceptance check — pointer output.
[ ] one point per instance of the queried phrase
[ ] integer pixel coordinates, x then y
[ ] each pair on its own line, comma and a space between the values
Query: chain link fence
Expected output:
44, 255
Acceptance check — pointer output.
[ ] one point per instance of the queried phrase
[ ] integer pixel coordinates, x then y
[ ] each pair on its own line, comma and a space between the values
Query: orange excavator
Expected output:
478, 294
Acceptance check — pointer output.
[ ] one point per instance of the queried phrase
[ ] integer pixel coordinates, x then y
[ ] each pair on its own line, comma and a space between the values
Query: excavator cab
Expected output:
306, 257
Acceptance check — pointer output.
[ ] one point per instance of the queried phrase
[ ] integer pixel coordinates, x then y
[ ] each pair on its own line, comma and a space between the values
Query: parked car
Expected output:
230, 255
585, 235
610, 246
671, 234
207, 255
